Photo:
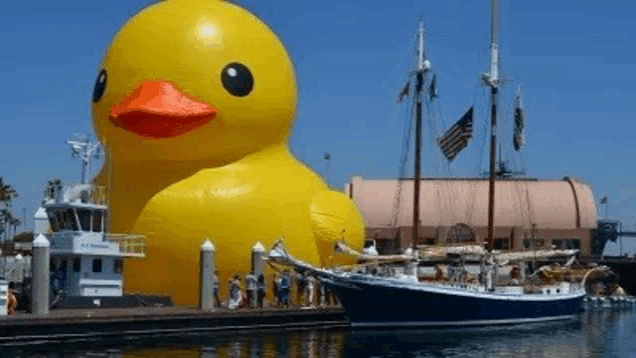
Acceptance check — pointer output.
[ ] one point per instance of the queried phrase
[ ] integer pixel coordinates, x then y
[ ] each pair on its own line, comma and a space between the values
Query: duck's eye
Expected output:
237, 79
100, 86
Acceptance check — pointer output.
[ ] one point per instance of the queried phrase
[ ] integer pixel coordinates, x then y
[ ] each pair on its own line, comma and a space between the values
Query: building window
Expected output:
460, 233
97, 265
567, 244
77, 264
533, 243
84, 219
502, 243
429, 241
117, 266
52, 264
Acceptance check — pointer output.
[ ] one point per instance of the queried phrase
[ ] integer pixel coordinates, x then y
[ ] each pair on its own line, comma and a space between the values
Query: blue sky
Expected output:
573, 60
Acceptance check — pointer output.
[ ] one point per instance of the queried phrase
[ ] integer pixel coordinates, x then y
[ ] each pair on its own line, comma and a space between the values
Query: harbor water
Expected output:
597, 333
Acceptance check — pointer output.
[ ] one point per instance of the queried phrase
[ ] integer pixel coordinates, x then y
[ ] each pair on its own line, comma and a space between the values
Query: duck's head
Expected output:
193, 80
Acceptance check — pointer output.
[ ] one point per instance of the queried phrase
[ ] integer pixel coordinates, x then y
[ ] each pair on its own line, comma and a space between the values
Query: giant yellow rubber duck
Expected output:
194, 102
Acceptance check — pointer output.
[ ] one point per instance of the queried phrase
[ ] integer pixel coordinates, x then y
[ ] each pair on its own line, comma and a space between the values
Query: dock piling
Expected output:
206, 276
40, 273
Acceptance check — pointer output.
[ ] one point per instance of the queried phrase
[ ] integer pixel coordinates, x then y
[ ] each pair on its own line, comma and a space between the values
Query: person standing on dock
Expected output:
285, 285
236, 298
250, 285
301, 285
276, 290
261, 287
310, 284
215, 288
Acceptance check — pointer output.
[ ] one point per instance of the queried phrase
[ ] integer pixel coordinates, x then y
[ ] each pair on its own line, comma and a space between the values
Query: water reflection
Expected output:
597, 333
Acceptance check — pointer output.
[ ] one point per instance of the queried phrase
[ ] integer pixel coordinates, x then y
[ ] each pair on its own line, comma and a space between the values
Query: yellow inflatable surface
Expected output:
194, 102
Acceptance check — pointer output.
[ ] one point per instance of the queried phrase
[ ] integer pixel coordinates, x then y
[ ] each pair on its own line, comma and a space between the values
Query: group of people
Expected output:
252, 294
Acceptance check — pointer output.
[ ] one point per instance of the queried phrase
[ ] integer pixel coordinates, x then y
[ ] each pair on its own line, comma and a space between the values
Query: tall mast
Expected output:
492, 80
423, 65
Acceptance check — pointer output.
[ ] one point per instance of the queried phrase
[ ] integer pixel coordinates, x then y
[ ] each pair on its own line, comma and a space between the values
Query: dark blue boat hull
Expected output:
371, 304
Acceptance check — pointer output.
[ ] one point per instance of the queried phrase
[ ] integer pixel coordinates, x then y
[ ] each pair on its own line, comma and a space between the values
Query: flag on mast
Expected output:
456, 138
404, 92
432, 89
518, 139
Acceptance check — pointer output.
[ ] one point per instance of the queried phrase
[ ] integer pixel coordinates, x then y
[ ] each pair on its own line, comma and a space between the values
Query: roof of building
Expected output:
553, 204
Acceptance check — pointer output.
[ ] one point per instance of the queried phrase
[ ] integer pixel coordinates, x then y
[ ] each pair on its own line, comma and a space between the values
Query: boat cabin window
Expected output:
52, 220
84, 219
97, 265
59, 216
77, 264
117, 266
97, 220
71, 220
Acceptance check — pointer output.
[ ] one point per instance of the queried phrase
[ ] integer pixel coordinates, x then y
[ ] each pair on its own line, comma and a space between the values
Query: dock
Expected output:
71, 324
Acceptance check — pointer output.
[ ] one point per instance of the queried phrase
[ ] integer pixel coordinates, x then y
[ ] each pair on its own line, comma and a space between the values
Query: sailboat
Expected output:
374, 298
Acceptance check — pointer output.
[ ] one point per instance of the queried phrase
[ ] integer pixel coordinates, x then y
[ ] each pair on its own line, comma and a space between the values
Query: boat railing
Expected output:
86, 193
130, 245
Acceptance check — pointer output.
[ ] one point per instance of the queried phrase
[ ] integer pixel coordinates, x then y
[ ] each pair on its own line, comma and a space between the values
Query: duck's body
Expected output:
257, 199
194, 104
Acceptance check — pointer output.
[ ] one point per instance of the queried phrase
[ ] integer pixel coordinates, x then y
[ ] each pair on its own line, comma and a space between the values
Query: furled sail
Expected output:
535, 254
345, 249
456, 138
427, 251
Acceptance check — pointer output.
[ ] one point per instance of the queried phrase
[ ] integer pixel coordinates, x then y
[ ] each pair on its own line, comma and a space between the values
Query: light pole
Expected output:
327, 158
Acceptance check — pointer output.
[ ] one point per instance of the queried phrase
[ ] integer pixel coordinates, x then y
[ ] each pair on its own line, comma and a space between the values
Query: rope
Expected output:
406, 140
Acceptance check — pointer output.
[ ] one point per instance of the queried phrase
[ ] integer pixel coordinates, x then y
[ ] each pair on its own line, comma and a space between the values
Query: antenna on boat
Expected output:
85, 149
493, 81
423, 65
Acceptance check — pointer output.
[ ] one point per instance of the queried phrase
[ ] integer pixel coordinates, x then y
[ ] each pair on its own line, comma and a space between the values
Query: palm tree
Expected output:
15, 222
7, 193
6, 217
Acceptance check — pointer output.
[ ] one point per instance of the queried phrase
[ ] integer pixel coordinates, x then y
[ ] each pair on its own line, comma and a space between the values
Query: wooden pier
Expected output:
70, 324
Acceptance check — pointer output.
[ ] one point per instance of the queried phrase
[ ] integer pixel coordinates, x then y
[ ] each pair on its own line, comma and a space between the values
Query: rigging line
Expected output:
438, 184
447, 189
439, 197
410, 51
406, 140
474, 187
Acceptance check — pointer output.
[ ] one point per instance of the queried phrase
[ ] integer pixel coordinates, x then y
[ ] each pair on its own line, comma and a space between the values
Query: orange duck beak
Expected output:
158, 110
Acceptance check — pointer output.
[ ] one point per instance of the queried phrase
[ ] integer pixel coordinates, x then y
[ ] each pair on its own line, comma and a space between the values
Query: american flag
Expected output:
456, 138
